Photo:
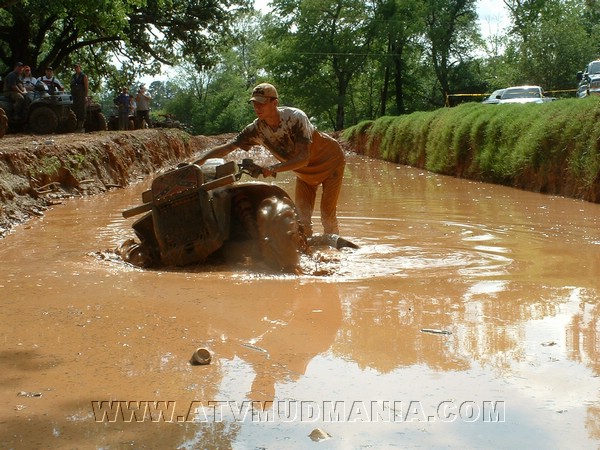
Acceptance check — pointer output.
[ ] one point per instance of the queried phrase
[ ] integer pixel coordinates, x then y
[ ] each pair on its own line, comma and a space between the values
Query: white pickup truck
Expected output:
523, 94
589, 80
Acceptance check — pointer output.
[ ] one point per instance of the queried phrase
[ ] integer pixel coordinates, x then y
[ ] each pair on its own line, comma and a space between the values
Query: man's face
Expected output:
49, 73
264, 109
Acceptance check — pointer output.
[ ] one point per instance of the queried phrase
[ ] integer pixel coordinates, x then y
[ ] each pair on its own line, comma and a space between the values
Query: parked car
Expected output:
523, 94
589, 80
494, 97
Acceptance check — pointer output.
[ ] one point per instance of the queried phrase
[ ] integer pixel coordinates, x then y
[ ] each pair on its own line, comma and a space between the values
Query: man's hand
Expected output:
268, 172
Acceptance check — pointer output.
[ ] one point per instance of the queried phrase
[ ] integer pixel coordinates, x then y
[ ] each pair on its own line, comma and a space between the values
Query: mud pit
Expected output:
468, 318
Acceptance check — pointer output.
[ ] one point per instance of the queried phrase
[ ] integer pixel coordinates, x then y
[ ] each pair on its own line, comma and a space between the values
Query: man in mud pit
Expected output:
316, 159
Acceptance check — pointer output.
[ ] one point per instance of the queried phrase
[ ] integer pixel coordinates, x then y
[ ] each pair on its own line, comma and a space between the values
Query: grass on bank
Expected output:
555, 143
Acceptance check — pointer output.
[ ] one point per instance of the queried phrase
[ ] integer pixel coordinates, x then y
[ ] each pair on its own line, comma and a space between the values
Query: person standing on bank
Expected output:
315, 158
79, 91
143, 99
124, 102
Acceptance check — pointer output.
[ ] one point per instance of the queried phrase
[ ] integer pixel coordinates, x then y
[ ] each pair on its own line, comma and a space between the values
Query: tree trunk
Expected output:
399, 79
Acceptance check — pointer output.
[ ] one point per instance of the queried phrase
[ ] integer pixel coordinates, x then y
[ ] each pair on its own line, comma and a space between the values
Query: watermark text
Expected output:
298, 411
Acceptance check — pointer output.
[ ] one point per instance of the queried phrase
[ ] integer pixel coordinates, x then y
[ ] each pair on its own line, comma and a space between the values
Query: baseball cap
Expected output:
263, 92
49, 68
18, 64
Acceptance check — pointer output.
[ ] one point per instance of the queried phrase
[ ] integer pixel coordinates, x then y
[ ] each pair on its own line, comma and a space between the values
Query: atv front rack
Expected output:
225, 174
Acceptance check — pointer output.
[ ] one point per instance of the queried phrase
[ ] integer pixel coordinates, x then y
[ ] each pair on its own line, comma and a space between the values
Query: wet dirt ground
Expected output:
468, 318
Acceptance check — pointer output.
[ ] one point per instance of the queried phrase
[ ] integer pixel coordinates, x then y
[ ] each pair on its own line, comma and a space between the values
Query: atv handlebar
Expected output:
248, 166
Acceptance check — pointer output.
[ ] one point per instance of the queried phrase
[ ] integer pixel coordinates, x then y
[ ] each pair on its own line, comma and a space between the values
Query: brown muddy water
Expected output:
468, 318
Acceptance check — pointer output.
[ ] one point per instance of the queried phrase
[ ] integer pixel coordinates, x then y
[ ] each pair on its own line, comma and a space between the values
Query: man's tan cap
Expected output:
263, 92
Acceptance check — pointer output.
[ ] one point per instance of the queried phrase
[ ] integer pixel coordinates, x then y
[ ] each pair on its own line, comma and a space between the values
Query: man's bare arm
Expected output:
300, 160
219, 151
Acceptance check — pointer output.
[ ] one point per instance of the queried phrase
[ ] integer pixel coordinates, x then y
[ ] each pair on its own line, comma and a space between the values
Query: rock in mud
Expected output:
319, 435
201, 357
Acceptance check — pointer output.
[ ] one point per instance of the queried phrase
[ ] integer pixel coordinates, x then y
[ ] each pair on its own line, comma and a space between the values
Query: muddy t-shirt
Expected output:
325, 154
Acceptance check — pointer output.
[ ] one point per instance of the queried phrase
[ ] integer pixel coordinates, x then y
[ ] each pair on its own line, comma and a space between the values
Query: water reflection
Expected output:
280, 342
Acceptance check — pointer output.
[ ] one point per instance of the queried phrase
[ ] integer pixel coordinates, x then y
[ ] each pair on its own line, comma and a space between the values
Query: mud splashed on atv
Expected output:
195, 215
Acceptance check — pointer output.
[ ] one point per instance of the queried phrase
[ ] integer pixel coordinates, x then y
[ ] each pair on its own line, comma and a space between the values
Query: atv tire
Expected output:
43, 120
280, 234
100, 121
96, 121
3, 122
69, 125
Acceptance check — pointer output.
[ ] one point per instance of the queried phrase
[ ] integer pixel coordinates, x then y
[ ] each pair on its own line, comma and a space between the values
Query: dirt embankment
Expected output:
35, 171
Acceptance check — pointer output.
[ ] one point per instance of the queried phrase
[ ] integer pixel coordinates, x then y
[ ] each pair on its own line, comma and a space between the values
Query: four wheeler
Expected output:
113, 122
95, 120
44, 113
168, 121
193, 211
3, 122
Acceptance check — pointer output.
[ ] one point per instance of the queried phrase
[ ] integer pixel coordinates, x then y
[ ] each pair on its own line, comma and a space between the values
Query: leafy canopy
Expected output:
139, 35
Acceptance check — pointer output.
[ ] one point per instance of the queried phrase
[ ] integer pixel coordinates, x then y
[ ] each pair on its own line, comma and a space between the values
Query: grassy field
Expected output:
551, 147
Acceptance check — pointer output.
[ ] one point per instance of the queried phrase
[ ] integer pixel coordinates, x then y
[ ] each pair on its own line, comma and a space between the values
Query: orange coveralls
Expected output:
325, 165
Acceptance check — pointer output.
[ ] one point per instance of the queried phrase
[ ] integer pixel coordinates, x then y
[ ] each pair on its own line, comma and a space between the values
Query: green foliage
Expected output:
321, 46
377, 132
137, 35
546, 43
341, 61
450, 30
49, 165
579, 134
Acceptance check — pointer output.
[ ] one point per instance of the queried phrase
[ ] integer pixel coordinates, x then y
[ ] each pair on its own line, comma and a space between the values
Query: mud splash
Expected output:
317, 261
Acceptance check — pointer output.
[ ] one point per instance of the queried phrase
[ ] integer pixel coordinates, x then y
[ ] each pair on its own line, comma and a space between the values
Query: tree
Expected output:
400, 23
546, 42
451, 34
138, 34
215, 100
320, 46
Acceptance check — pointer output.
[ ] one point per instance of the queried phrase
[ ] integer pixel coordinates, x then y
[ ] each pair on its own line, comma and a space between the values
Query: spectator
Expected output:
143, 99
27, 79
124, 102
79, 91
14, 90
51, 81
